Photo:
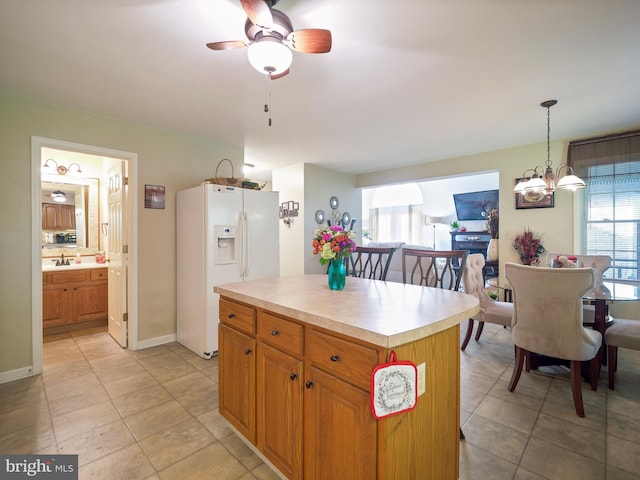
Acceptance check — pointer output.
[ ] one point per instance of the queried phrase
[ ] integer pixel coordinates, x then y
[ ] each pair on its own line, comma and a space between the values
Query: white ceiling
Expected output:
407, 81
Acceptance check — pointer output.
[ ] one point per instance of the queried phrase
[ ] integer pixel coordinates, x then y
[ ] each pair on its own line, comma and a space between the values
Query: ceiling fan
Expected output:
271, 39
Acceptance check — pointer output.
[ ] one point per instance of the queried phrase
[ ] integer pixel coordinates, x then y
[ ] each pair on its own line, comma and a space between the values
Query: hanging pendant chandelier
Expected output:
544, 180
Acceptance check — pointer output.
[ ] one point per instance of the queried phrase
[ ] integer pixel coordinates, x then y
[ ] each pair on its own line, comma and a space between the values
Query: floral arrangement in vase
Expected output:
529, 247
333, 243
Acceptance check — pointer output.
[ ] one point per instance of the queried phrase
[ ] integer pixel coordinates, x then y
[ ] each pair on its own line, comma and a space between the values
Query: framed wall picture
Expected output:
154, 196
533, 199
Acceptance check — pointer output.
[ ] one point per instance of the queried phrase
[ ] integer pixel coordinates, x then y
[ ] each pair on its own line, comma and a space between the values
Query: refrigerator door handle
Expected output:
245, 244
240, 245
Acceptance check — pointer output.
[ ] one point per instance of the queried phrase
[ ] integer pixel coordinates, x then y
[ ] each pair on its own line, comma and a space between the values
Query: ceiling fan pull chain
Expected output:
267, 95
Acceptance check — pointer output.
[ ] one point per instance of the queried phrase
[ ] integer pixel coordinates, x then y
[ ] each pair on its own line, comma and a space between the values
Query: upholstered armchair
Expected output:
491, 311
547, 320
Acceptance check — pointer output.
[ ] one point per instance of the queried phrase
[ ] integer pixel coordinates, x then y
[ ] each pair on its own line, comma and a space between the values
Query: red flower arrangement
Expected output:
528, 246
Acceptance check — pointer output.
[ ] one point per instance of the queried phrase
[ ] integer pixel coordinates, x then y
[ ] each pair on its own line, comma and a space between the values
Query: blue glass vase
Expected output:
337, 275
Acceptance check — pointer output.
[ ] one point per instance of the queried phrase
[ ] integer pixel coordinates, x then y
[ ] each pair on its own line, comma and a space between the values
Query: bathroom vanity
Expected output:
74, 294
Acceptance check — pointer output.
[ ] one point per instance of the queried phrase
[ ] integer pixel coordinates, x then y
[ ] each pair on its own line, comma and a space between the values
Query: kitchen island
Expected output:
295, 364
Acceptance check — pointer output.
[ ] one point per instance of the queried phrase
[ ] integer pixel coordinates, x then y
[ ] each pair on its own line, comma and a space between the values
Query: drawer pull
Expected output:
334, 358
275, 333
247, 351
231, 315
293, 376
309, 384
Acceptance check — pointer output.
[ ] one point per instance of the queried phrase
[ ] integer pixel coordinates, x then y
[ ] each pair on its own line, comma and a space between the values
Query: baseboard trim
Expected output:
153, 342
17, 374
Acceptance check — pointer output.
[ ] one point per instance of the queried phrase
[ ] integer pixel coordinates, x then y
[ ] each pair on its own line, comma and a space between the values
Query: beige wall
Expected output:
312, 186
164, 158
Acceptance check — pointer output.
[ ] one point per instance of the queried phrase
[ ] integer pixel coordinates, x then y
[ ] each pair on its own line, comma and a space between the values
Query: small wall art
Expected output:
154, 196
533, 199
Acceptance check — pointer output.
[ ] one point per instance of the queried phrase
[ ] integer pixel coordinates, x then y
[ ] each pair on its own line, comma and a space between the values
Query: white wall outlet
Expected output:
422, 378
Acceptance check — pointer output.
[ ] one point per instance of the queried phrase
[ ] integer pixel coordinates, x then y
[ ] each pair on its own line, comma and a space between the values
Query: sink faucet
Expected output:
62, 261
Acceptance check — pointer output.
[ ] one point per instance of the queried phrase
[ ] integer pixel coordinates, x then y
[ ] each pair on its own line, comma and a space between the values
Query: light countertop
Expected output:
387, 314
72, 266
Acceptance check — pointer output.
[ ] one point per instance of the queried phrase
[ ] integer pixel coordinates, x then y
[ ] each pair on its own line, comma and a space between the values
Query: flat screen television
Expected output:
475, 205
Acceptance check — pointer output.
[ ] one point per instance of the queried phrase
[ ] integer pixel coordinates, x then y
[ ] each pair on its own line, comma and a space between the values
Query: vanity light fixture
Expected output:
541, 181
61, 169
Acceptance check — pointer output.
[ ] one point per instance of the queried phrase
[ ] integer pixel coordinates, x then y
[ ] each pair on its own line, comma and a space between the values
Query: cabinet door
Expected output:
279, 412
67, 218
339, 430
237, 377
55, 305
49, 216
89, 301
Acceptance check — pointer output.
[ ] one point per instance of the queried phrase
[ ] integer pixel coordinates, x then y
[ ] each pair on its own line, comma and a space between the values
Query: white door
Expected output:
117, 258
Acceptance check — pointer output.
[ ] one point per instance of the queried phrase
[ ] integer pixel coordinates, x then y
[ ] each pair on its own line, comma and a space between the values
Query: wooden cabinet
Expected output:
58, 217
336, 438
74, 296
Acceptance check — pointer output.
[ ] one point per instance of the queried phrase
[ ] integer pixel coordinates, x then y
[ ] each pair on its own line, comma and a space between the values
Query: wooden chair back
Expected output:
370, 262
433, 268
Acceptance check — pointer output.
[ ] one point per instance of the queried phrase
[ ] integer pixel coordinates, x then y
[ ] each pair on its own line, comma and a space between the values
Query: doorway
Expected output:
127, 224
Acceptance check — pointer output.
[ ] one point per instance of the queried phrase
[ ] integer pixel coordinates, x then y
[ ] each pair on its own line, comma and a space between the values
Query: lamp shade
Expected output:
434, 220
269, 56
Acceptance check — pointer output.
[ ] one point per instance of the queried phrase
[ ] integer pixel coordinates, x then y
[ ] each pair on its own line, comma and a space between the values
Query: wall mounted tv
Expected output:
475, 205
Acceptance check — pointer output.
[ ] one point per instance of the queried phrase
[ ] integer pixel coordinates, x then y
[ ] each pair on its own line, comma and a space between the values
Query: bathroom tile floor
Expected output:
152, 414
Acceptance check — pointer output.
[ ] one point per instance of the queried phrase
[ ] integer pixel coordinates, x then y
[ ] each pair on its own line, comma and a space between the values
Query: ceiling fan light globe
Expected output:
269, 56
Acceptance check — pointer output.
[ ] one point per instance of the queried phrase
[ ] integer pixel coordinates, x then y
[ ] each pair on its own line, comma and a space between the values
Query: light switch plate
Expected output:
422, 378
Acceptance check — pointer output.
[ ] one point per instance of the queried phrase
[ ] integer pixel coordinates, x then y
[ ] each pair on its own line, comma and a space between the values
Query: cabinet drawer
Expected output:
281, 333
99, 274
349, 361
238, 316
69, 276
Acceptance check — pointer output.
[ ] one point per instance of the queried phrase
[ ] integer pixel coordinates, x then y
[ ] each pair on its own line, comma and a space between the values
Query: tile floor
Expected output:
152, 414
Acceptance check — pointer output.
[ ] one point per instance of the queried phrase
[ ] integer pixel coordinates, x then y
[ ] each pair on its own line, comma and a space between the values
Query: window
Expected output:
396, 214
610, 166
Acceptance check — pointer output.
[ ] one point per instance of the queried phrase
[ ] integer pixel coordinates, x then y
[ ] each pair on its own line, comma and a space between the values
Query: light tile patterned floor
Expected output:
152, 414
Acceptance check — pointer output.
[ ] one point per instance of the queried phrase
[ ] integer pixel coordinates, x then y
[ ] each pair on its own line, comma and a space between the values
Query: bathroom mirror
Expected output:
81, 194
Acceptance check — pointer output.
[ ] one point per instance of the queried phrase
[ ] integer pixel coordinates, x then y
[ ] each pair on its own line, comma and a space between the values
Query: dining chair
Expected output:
433, 268
547, 320
622, 333
491, 310
370, 262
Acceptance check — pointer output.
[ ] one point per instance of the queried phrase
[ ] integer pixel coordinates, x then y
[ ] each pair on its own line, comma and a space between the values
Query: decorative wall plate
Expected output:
320, 216
346, 219
334, 202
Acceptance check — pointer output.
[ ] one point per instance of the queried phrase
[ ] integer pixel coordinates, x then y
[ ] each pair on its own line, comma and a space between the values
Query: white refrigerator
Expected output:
224, 235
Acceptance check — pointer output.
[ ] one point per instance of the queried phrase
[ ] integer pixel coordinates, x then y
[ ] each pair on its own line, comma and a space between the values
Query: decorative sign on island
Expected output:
394, 387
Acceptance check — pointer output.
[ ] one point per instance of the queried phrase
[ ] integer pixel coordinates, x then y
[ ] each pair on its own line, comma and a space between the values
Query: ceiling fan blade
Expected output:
310, 40
279, 75
258, 12
230, 44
